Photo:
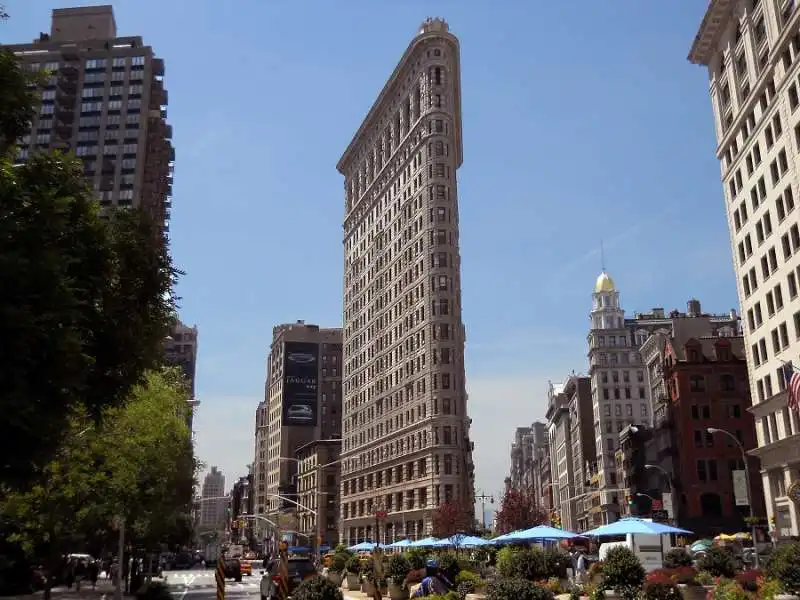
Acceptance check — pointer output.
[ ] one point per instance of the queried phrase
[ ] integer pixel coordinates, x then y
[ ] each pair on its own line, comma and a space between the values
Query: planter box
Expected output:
694, 592
398, 592
353, 582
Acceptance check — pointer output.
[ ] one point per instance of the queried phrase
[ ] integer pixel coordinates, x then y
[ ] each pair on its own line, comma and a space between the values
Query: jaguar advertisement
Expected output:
300, 371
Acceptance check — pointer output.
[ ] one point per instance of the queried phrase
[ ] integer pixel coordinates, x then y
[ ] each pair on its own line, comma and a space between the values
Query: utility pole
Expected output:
482, 498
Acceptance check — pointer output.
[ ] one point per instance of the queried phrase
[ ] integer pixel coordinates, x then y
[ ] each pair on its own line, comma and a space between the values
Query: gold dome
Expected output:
604, 283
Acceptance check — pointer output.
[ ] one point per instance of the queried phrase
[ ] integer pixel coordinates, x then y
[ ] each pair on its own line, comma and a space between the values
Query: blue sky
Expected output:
582, 121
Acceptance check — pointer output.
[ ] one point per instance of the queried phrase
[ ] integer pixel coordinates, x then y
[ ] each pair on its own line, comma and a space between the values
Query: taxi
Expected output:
247, 567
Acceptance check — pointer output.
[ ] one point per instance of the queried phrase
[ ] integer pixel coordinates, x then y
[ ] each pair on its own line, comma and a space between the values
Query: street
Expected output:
200, 584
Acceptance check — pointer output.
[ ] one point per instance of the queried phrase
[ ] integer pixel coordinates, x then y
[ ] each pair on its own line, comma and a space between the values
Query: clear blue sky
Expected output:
582, 121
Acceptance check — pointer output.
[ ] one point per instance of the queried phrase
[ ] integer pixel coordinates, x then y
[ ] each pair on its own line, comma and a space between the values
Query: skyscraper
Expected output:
406, 446
303, 403
752, 52
180, 350
213, 501
105, 100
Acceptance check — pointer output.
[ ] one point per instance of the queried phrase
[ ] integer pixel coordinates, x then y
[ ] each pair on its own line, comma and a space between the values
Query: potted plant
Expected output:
317, 588
660, 586
353, 569
784, 567
396, 572
719, 562
368, 579
623, 573
518, 589
337, 568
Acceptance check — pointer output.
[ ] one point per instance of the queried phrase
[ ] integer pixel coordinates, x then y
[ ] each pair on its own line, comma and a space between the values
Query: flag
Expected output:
792, 379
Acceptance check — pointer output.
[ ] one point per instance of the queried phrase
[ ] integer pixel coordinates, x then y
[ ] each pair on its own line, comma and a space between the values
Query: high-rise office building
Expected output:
303, 403
213, 501
752, 51
406, 447
104, 100
180, 350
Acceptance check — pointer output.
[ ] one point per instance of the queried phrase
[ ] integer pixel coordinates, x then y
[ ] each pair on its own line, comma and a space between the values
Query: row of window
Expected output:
628, 409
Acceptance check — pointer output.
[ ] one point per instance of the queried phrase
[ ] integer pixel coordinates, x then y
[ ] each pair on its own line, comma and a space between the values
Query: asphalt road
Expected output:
201, 585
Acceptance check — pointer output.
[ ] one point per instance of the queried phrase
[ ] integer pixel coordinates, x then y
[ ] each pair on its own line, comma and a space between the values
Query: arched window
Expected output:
711, 505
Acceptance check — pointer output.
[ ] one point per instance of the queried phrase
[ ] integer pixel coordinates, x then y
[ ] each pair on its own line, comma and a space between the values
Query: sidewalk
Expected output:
105, 588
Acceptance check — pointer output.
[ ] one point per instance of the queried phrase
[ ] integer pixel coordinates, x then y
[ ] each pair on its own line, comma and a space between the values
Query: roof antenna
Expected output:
602, 257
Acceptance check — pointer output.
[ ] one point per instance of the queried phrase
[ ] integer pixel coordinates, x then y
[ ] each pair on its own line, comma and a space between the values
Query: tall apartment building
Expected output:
213, 502
578, 391
561, 465
105, 100
752, 52
620, 394
303, 403
406, 446
521, 471
319, 482
540, 453
180, 350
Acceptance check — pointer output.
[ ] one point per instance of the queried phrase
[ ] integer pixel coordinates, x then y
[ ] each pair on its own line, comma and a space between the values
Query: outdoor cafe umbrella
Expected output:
461, 541
401, 544
427, 542
540, 532
633, 526
363, 547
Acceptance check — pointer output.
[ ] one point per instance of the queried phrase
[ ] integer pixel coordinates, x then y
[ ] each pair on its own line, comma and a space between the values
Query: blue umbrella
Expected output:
633, 525
429, 541
401, 544
471, 541
363, 547
543, 532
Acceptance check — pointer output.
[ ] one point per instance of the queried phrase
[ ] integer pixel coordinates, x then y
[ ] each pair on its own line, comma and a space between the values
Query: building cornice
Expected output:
386, 96
712, 27
769, 406
783, 451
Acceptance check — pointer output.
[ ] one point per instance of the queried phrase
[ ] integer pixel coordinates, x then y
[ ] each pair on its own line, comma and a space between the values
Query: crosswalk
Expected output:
206, 579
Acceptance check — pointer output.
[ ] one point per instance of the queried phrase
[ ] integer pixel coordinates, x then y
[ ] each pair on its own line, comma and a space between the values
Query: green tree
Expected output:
137, 464
17, 99
84, 307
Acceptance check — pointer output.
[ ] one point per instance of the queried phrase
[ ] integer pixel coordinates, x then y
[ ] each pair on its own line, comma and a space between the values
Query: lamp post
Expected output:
713, 430
671, 482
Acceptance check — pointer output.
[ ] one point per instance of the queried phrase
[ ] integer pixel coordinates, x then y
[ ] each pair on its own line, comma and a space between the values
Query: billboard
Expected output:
300, 372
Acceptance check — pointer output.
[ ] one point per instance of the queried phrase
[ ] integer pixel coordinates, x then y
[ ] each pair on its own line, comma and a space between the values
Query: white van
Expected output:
649, 549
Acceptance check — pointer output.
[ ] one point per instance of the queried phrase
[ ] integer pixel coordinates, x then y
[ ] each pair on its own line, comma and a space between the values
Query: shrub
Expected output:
676, 558
504, 558
768, 589
317, 588
468, 579
517, 589
523, 564
661, 588
685, 575
338, 562
556, 563
748, 580
155, 591
719, 562
353, 565
784, 565
595, 569
398, 568
622, 569
728, 590
449, 565
417, 557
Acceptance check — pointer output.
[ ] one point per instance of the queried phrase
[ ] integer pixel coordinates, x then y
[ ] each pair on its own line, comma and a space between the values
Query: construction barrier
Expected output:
219, 575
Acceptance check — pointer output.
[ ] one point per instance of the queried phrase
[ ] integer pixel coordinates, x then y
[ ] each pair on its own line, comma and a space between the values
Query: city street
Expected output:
201, 584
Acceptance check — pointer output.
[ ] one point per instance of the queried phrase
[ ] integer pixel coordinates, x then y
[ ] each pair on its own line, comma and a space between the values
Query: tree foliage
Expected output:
17, 98
137, 464
84, 307
451, 518
519, 509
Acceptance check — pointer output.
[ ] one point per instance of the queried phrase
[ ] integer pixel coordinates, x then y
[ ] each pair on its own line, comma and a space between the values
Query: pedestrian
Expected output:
94, 572
80, 574
580, 568
69, 579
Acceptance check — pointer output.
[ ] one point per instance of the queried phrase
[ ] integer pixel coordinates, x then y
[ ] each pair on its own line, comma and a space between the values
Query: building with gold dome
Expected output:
621, 395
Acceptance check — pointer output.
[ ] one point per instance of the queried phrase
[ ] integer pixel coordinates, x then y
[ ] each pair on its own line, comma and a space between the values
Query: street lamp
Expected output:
713, 430
671, 483
643, 495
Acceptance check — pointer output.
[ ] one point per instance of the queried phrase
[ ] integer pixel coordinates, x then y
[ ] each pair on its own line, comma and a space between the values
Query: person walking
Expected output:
80, 574
580, 568
94, 573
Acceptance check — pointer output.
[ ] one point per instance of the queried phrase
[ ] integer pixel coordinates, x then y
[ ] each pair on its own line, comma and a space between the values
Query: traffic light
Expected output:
631, 503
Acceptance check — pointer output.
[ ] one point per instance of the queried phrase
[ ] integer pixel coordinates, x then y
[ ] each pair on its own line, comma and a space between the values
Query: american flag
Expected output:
792, 379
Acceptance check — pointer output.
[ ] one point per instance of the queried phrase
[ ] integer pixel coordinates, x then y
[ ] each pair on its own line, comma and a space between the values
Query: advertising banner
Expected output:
740, 487
300, 371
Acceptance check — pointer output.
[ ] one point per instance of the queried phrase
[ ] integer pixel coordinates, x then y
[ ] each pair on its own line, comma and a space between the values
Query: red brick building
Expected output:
707, 386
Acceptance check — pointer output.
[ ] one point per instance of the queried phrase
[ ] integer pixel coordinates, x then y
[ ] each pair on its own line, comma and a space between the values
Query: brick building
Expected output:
707, 386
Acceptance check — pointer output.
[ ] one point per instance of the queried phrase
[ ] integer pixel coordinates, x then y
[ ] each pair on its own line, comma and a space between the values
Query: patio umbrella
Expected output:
363, 547
460, 541
544, 532
401, 544
632, 526
427, 542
